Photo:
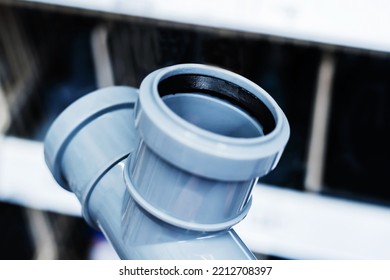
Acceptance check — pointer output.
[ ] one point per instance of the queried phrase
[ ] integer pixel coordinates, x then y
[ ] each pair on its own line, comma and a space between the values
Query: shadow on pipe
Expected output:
166, 171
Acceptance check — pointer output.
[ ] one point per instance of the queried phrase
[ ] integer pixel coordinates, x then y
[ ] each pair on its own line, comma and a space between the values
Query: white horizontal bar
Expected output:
300, 225
281, 222
25, 179
359, 24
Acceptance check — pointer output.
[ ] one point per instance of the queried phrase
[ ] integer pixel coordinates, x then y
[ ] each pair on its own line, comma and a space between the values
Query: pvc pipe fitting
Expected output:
178, 159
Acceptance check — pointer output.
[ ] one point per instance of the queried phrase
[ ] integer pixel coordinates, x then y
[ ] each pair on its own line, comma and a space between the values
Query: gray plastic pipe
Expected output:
166, 172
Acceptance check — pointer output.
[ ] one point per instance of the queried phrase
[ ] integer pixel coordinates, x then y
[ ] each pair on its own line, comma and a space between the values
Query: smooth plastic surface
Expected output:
89, 137
169, 179
182, 199
221, 118
135, 234
213, 152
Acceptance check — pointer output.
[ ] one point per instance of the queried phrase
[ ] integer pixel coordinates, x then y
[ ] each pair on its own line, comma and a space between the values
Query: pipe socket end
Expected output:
211, 122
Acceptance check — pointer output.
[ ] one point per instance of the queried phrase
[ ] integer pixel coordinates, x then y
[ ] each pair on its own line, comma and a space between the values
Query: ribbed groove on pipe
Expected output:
195, 154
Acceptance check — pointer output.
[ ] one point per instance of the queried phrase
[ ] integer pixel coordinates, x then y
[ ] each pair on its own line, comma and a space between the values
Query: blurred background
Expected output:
327, 66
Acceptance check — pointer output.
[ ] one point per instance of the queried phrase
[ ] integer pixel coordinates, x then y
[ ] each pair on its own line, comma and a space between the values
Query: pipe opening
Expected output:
216, 105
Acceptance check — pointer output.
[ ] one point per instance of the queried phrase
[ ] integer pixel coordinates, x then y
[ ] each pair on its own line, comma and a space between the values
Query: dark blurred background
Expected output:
49, 58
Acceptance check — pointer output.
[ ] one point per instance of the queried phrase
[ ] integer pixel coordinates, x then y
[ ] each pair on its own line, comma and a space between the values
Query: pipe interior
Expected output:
216, 105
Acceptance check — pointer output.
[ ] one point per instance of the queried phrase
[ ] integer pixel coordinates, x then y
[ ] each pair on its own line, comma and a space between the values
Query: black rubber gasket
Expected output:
190, 83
